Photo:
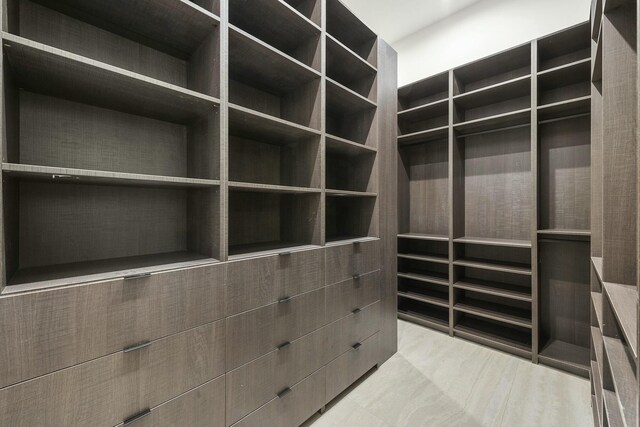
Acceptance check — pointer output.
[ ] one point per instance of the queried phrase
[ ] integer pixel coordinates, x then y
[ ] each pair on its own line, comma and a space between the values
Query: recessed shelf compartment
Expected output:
494, 94
350, 116
569, 81
511, 312
563, 353
279, 24
349, 172
422, 313
596, 19
267, 220
620, 374
428, 237
344, 101
130, 35
564, 234
426, 118
345, 147
623, 302
347, 68
350, 31
350, 217
426, 250
57, 73
431, 90
564, 47
489, 241
596, 61
500, 68
424, 292
64, 232
490, 124
497, 334
494, 283
513, 260
570, 108
429, 135
263, 79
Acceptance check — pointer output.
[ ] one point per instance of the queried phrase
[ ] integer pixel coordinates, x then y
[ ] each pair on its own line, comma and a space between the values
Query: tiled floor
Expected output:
436, 380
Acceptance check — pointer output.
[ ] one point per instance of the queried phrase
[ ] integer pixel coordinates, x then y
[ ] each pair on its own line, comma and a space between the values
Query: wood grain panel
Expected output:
352, 294
105, 391
345, 260
354, 328
41, 332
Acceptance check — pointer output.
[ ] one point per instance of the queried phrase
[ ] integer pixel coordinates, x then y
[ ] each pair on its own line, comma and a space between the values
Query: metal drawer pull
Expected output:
138, 346
356, 346
284, 345
285, 253
357, 276
284, 392
137, 276
283, 300
58, 176
135, 418
356, 311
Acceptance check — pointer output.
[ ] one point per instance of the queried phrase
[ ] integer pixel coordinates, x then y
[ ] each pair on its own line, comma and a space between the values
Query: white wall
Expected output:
483, 28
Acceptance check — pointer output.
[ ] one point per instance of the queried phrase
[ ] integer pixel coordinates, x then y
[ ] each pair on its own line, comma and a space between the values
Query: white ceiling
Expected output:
394, 20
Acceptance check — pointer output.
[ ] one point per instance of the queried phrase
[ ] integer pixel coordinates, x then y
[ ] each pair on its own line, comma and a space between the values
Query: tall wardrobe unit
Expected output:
195, 231
494, 197
615, 251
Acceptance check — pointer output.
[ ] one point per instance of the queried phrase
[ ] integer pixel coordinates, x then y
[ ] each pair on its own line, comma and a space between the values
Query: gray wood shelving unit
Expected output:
614, 213
494, 197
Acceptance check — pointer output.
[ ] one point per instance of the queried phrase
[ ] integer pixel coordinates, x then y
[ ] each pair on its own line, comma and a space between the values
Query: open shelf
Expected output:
143, 22
350, 216
425, 258
53, 72
494, 123
264, 220
279, 24
427, 250
420, 236
596, 301
435, 296
569, 108
623, 300
567, 82
556, 351
348, 174
564, 47
429, 135
428, 277
505, 259
349, 69
345, 27
341, 146
494, 310
596, 61
499, 92
429, 91
564, 234
489, 241
424, 314
623, 377
497, 334
342, 100
596, 19
270, 188
350, 116
250, 124
504, 290
62, 238
513, 268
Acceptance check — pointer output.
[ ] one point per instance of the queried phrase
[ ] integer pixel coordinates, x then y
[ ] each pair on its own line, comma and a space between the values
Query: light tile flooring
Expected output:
436, 380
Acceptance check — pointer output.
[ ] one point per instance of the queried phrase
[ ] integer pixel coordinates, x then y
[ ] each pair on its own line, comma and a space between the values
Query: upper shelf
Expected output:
564, 47
252, 60
343, 100
349, 30
345, 65
41, 68
565, 75
428, 237
568, 108
494, 123
338, 145
427, 91
488, 241
493, 94
422, 112
176, 27
429, 135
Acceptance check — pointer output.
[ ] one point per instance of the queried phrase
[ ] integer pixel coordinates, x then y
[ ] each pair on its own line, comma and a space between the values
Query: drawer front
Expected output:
257, 332
352, 329
352, 294
346, 369
256, 383
345, 261
44, 331
293, 408
110, 389
256, 282
200, 407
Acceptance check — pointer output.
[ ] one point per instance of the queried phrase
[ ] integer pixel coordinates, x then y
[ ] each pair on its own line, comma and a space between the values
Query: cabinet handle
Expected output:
137, 276
357, 276
138, 346
59, 176
285, 253
356, 346
136, 417
284, 392
356, 311
283, 300
284, 345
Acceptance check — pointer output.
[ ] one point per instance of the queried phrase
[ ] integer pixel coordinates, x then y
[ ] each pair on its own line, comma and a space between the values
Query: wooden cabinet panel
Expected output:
346, 260
256, 383
107, 390
44, 331
352, 329
257, 332
200, 407
346, 369
256, 282
293, 408
352, 294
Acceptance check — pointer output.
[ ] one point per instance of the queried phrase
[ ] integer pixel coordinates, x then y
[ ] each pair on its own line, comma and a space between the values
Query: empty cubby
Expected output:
565, 301
424, 92
59, 229
350, 70
349, 115
424, 249
508, 312
422, 312
565, 174
491, 282
284, 25
262, 221
351, 172
424, 270
349, 217
565, 47
516, 339
264, 80
494, 256
130, 35
350, 31
566, 83
429, 293
428, 117
423, 189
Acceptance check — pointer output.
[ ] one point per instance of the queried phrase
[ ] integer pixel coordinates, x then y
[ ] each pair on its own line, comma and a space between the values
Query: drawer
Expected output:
293, 408
110, 389
257, 332
353, 364
200, 407
351, 294
346, 260
48, 330
256, 383
354, 328
256, 282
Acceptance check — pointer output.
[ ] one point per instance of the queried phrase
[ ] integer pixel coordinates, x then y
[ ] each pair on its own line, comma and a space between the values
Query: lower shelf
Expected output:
511, 339
433, 317
497, 312
90, 271
440, 299
566, 356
